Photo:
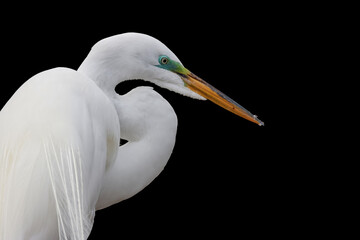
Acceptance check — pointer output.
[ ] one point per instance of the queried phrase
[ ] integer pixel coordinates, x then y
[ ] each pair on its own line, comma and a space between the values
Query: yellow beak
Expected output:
204, 89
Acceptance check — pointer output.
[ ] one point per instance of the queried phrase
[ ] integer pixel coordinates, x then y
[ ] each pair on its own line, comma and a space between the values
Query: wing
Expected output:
58, 134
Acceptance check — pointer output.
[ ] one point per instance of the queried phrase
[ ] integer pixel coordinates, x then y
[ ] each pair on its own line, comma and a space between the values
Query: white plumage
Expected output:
55, 148
60, 158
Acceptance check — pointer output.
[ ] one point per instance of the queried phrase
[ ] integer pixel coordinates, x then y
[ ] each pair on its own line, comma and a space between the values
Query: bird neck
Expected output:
149, 124
101, 73
136, 166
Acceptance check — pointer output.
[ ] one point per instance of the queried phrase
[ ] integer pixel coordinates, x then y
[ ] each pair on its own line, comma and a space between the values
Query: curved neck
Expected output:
146, 119
109, 63
131, 174
149, 148
98, 71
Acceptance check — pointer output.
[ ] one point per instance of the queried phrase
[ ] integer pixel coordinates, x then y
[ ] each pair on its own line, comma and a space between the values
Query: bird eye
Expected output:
164, 60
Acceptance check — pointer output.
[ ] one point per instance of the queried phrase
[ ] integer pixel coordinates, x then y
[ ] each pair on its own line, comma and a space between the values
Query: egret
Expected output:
60, 159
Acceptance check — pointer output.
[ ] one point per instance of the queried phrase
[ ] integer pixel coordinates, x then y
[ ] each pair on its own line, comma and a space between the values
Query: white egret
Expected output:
60, 158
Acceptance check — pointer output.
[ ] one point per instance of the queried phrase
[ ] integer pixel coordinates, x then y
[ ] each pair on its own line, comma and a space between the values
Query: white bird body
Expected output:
60, 158
54, 113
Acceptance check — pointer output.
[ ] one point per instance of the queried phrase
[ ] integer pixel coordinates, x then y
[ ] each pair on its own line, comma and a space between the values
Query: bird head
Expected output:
138, 56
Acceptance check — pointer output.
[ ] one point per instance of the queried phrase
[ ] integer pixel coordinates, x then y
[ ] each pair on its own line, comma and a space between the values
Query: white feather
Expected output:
65, 172
51, 166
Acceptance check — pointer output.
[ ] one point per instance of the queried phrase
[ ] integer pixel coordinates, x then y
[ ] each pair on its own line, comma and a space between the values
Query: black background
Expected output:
226, 176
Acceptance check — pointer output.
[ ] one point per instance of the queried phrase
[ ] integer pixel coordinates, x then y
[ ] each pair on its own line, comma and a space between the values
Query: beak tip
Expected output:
260, 123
